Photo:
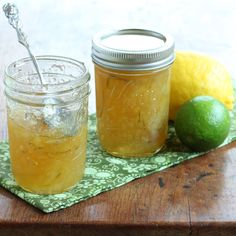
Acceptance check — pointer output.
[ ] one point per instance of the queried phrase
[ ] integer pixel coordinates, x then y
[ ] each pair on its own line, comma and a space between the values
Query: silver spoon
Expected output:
12, 13
53, 116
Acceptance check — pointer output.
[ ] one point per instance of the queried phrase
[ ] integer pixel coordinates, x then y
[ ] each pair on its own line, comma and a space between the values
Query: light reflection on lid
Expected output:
134, 42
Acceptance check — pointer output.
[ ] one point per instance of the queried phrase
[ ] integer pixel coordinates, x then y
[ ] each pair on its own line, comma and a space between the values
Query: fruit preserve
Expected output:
47, 123
44, 161
132, 75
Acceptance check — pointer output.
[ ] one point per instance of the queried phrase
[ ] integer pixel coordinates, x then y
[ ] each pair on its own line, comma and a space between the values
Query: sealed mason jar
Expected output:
132, 75
47, 123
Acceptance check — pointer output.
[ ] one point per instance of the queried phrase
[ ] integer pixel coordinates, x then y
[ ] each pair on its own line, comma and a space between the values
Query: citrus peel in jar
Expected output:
132, 71
132, 111
45, 161
46, 156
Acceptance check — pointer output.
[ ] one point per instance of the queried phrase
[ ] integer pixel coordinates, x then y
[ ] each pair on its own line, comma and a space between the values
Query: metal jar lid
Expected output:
133, 49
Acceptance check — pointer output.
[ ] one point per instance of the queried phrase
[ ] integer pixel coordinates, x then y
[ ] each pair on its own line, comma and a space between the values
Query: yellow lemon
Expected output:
195, 74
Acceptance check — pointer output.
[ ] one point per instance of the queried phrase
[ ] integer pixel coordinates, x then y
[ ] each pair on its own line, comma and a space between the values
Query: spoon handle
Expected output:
12, 13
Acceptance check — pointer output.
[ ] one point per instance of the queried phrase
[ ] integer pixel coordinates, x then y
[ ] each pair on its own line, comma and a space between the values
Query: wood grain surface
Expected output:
196, 198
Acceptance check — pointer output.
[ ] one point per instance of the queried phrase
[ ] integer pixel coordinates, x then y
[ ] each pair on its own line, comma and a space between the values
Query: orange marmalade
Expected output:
132, 111
132, 75
47, 123
46, 161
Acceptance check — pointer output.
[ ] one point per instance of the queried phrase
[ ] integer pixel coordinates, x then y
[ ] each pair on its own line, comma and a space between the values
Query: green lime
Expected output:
202, 123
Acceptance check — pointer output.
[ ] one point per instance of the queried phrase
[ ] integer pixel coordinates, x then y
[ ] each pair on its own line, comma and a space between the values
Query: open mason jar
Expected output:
47, 123
132, 74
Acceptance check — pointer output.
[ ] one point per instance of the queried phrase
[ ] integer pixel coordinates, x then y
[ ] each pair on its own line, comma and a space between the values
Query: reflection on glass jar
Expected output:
132, 76
132, 111
47, 124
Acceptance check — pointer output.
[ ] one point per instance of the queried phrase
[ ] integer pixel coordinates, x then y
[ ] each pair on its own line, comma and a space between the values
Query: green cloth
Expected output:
103, 172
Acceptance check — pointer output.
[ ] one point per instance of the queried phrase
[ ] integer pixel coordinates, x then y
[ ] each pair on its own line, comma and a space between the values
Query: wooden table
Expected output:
196, 198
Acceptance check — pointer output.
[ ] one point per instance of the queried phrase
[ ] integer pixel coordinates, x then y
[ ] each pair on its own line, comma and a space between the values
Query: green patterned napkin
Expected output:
103, 172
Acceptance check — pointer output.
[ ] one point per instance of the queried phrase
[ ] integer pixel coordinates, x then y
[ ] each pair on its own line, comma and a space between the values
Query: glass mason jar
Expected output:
132, 75
47, 123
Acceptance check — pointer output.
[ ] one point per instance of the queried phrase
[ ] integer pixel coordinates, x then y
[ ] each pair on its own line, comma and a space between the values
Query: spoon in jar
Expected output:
53, 116
12, 13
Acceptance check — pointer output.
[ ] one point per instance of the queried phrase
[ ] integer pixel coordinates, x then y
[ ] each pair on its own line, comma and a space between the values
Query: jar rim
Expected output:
39, 89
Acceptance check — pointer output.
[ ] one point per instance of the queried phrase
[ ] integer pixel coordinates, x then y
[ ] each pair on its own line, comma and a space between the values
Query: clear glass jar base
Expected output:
133, 155
47, 192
